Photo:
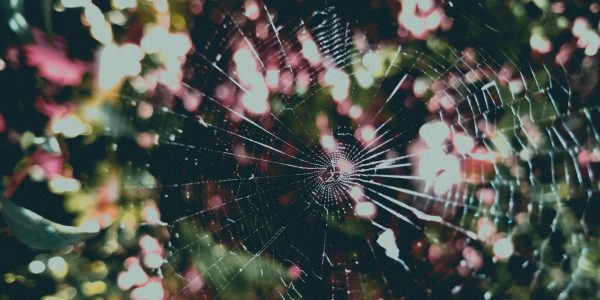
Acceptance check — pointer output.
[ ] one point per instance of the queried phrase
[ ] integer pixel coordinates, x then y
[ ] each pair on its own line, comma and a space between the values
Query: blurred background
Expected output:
114, 185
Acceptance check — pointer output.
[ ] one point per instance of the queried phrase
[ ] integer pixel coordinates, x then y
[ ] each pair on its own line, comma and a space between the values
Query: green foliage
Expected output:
40, 233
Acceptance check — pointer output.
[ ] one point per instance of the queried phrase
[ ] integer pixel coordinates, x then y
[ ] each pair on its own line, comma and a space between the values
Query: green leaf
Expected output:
40, 233
47, 16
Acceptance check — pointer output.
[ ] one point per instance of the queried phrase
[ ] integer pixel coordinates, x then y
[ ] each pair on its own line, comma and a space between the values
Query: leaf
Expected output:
47, 16
40, 233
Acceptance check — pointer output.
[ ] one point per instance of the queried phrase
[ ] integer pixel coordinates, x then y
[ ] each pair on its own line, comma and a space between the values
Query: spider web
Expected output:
312, 207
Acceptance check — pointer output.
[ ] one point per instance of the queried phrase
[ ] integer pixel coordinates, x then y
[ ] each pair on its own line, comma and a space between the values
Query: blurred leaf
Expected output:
47, 16
246, 273
40, 233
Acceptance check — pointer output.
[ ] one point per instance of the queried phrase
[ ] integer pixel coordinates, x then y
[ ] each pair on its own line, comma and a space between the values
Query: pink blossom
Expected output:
51, 109
51, 164
2, 124
50, 57
294, 272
